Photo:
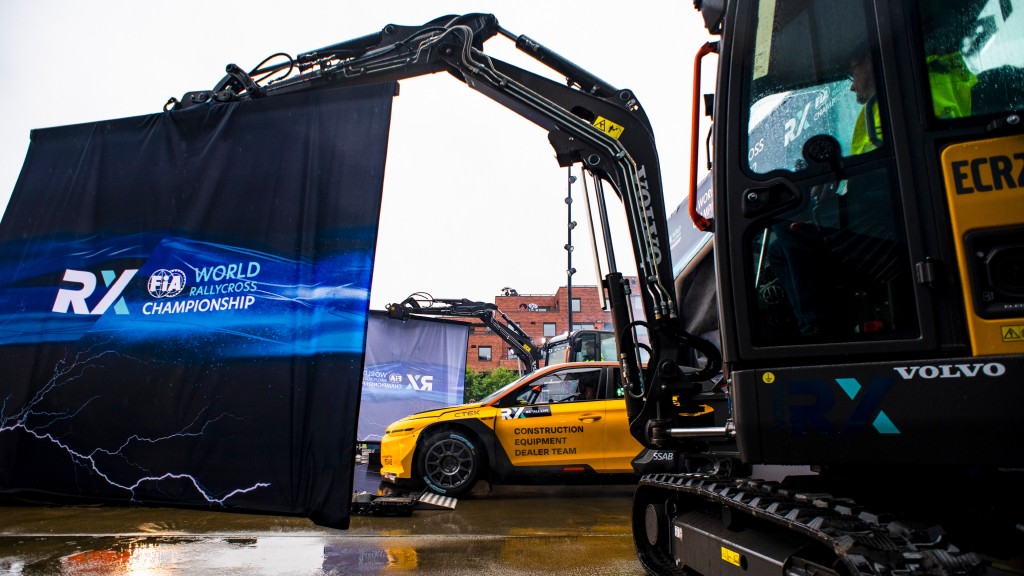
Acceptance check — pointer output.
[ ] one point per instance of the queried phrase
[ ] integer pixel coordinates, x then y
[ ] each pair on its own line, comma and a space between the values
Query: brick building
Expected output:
541, 316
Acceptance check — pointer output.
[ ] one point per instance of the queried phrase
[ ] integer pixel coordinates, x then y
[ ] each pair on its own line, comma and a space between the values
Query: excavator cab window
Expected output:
975, 56
594, 346
812, 74
826, 250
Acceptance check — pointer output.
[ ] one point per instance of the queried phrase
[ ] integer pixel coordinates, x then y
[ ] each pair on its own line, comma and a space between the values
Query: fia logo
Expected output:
75, 298
166, 283
420, 383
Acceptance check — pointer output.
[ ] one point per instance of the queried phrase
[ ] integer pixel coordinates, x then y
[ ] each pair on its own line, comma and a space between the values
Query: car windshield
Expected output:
501, 391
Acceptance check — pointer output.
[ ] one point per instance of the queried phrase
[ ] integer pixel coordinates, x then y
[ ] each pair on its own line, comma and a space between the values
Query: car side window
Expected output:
615, 385
576, 385
588, 386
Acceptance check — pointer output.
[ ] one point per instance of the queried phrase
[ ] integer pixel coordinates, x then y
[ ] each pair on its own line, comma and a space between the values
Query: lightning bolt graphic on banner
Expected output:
40, 423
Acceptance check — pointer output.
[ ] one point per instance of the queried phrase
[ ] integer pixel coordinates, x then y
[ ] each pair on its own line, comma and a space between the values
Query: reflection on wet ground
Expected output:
506, 530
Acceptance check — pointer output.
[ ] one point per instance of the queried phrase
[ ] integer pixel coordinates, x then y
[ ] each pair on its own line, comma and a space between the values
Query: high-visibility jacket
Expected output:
861, 141
951, 83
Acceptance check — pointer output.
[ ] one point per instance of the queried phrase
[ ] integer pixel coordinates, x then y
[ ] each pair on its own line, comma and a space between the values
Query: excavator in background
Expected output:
588, 345
859, 311
423, 304
579, 346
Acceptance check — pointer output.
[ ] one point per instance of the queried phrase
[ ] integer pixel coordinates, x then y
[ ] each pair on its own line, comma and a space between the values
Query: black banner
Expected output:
183, 305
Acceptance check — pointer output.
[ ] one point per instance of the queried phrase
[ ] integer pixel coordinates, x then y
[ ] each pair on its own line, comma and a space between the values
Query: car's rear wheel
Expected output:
449, 463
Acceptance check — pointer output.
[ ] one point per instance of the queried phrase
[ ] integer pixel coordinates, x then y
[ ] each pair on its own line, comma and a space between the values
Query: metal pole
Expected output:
569, 270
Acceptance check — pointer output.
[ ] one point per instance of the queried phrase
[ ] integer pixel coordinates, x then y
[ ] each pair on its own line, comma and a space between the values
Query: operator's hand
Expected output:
824, 202
823, 208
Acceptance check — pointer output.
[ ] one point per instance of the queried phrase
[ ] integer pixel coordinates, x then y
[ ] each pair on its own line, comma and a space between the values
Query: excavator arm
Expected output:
394, 53
588, 121
420, 305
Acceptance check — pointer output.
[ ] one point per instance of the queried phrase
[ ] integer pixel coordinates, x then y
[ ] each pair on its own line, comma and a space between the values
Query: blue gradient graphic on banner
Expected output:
422, 381
396, 389
215, 299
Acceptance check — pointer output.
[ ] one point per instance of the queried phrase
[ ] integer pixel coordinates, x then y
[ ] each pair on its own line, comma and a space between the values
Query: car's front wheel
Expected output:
449, 463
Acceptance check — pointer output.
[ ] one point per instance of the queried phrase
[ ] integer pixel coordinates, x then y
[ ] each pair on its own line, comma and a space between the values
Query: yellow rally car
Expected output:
562, 422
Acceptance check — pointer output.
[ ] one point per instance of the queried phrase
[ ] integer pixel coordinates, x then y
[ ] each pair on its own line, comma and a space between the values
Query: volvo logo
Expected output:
645, 194
991, 369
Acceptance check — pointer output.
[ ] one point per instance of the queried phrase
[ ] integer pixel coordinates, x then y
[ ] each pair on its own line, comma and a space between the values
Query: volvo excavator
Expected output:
423, 304
858, 316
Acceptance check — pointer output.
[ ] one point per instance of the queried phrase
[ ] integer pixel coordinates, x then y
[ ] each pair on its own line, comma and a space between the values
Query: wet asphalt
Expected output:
500, 530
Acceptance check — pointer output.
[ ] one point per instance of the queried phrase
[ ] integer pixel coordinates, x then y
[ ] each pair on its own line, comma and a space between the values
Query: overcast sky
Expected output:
473, 198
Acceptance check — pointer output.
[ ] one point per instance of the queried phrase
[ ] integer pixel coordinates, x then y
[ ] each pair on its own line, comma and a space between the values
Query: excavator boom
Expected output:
424, 305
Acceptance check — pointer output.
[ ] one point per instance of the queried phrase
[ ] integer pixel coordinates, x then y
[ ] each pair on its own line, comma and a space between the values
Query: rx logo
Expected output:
867, 410
420, 383
870, 401
76, 298
512, 413
795, 126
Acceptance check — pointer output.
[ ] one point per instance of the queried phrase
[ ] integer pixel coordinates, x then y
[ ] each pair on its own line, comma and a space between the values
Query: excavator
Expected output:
579, 346
838, 372
423, 304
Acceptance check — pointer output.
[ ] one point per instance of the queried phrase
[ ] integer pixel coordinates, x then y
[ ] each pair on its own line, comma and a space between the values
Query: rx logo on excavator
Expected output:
819, 414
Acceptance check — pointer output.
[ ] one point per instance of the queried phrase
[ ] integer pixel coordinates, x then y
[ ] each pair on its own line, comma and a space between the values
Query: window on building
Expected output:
483, 353
583, 326
577, 305
550, 329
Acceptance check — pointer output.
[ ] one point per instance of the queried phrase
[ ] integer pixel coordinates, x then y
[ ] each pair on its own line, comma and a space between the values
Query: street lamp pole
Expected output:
569, 270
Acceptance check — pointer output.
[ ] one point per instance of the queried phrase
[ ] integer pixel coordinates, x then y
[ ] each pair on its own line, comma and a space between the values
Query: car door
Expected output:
620, 447
555, 419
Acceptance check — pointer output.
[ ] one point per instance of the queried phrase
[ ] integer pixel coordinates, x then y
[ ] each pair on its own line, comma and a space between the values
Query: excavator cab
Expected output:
868, 162
867, 165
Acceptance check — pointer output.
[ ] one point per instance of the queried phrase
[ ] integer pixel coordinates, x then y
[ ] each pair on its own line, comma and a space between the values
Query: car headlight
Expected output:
403, 431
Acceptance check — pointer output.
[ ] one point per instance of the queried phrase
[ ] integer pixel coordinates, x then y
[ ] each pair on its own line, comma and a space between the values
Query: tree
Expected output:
480, 384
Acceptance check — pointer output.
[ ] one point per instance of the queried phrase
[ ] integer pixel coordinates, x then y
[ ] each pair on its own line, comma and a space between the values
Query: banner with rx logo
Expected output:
183, 305
411, 366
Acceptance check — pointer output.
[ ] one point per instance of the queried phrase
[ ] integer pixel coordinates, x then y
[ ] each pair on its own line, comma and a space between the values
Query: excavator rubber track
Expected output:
828, 535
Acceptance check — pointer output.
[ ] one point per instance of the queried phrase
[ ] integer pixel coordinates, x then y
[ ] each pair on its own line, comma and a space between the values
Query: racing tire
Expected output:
449, 463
